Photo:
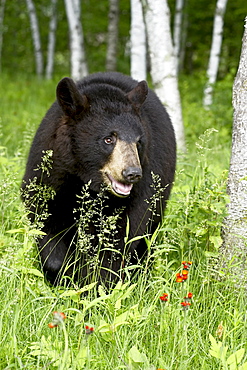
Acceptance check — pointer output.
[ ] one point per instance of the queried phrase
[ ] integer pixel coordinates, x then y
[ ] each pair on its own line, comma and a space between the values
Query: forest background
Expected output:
18, 55
133, 327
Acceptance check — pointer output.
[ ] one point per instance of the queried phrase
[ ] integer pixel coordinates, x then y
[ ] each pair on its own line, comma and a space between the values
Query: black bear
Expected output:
108, 137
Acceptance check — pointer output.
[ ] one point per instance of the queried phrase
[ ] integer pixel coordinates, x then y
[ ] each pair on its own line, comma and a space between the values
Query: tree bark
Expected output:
214, 59
177, 30
163, 65
234, 247
51, 40
138, 56
36, 37
111, 54
78, 63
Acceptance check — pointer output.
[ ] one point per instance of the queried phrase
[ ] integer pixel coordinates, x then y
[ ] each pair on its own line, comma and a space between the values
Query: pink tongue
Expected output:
122, 189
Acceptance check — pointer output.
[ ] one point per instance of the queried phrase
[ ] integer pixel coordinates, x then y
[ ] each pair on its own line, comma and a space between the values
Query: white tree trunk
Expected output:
113, 18
2, 5
77, 54
36, 37
234, 248
51, 40
163, 65
138, 56
177, 30
215, 51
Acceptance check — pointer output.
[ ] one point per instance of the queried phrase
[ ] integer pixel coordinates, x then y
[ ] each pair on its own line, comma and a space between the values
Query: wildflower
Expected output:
185, 272
188, 298
164, 297
180, 278
185, 305
220, 330
58, 317
89, 330
186, 265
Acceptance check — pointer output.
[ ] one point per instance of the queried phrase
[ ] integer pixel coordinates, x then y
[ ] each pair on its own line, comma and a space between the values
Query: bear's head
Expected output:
106, 130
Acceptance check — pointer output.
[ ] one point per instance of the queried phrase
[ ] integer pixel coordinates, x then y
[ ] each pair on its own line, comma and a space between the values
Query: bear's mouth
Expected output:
118, 188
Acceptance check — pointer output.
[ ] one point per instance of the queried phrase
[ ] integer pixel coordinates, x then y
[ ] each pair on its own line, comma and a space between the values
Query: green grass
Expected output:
133, 328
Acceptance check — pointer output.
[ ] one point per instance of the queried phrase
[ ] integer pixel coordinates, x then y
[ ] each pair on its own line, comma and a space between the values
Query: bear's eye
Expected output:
139, 144
109, 140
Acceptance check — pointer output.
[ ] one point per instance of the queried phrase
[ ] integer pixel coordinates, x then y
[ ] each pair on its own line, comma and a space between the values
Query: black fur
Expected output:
74, 128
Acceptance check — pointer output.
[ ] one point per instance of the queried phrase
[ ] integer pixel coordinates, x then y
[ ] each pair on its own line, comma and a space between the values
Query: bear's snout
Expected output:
132, 174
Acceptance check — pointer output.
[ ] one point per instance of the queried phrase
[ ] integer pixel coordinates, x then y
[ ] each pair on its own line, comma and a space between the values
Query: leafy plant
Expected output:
219, 351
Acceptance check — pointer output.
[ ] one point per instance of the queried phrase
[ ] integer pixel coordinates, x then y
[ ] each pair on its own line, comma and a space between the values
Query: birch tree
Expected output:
35, 37
138, 55
177, 30
2, 5
113, 18
51, 39
163, 65
214, 59
234, 247
78, 62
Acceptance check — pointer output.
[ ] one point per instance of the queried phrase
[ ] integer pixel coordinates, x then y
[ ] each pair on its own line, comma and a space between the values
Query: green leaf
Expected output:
23, 231
87, 304
81, 358
235, 358
128, 291
127, 230
16, 231
136, 238
216, 241
217, 349
118, 304
243, 367
136, 356
35, 232
121, 319
30, 271
73, 292
104, 327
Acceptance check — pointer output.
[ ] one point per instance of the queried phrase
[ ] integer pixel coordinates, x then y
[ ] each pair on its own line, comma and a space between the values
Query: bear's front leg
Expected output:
56, 253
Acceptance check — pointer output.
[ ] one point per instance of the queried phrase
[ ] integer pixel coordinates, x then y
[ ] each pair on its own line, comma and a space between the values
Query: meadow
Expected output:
141, 323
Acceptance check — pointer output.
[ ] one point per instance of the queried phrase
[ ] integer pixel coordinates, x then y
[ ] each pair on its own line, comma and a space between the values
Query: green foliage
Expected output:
219, 351
133, 328
197, 29
18, 56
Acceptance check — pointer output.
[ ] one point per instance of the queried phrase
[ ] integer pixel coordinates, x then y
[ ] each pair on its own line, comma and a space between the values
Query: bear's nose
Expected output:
132, 174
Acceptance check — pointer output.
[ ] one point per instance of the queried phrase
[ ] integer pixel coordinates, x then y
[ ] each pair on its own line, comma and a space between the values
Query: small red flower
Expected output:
185, 305
185, 272
89, 330
164, 297
58, 317
51, 325
180, 278
188, 298
186, 264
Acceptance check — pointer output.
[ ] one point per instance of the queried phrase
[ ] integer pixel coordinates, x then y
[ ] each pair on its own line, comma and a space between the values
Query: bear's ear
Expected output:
70, 99
138, 95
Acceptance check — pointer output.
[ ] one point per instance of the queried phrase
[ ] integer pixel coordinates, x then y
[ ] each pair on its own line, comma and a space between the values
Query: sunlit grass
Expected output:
133, 327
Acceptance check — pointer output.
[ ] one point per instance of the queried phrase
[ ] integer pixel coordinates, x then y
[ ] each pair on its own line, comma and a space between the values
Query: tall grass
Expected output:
133, 327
